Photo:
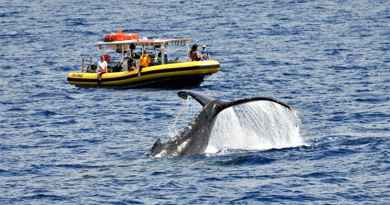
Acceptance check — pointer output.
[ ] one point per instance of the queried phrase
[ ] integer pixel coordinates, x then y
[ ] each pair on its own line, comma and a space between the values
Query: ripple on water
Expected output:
65, 145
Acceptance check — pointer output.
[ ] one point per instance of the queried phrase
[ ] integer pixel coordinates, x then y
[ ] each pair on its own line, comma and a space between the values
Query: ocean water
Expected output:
330, 60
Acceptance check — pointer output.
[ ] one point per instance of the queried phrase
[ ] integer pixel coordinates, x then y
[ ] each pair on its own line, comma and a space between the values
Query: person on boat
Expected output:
145, 60
204, 53
102, 66
194, 54
124, 64
132, 51
128, 63
162, 56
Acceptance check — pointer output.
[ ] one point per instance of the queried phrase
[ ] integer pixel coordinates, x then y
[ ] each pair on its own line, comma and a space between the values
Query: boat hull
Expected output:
167, 75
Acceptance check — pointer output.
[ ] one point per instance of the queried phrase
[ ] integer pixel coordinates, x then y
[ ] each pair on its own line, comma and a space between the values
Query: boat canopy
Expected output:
149, 42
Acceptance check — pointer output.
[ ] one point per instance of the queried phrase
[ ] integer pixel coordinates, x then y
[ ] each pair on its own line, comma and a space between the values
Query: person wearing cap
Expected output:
194, 54
204, 53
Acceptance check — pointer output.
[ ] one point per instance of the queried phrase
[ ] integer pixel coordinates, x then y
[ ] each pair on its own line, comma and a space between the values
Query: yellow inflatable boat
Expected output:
129, 69
166, 75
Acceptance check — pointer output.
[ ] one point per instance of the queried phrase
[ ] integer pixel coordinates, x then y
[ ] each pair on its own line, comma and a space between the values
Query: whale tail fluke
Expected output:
204, 100
219, 126
247, 100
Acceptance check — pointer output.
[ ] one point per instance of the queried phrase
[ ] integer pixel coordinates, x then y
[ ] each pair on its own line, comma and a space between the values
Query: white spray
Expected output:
257, 125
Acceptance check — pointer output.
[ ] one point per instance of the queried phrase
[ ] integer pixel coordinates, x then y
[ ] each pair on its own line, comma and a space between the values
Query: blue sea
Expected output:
329, 60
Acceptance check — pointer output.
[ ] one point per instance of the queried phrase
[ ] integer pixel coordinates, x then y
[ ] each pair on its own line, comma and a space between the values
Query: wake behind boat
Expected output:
140, 62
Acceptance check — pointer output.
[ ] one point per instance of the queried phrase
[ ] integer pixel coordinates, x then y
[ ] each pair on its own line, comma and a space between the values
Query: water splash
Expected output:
259, 125
184, 114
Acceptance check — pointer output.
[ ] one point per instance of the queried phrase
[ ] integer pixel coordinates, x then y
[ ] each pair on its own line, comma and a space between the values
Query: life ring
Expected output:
120, 36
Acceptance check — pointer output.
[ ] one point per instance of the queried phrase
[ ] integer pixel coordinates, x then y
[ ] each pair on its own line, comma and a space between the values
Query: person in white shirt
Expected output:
102, 66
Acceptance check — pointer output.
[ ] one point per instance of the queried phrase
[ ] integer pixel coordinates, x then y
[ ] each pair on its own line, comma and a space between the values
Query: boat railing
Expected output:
86, 62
